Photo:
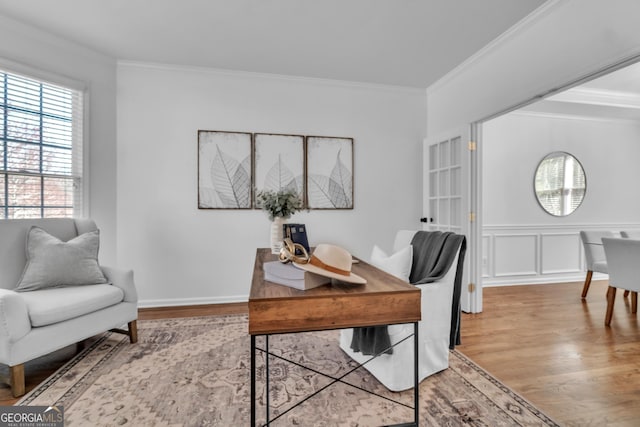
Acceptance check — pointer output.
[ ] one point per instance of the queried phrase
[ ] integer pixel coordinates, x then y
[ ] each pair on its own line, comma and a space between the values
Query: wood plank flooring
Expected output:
543, 341
550, 346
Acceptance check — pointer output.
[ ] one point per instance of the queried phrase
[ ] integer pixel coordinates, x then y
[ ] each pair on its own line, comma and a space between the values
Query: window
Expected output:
40, 149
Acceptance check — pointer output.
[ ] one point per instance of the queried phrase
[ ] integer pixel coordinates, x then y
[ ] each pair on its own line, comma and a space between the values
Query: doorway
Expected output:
597, 120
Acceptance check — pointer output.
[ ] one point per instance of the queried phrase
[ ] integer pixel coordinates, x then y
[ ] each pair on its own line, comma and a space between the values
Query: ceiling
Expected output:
393, 42
624, 80
613, 96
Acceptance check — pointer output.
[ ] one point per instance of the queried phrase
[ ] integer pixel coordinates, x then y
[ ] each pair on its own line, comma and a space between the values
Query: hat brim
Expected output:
351, 278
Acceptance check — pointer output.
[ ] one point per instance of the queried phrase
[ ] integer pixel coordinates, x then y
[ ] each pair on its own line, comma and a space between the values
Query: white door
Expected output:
447, 164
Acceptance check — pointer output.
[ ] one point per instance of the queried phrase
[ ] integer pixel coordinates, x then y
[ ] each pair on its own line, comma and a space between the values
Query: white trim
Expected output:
177, 302
581, 95
86, 155
542, 280
281, 77
568, 116
541, 275
41, 75
562, 227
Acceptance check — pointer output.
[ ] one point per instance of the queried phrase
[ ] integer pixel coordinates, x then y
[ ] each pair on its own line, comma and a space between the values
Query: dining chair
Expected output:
623, 256
631, 234
635, 234
594, 254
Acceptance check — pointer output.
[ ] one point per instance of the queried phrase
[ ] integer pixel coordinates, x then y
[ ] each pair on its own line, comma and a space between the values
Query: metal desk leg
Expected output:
416, 373
253, 380
266, 374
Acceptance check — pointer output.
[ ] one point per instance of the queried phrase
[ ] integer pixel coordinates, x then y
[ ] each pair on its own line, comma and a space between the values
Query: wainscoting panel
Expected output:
561, 253
515, 254
532, 254
486, 250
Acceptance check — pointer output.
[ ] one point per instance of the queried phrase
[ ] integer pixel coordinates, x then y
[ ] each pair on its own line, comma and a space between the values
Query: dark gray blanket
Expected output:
433, 254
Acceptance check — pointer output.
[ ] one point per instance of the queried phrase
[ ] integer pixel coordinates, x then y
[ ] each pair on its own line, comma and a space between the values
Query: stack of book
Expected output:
292, 276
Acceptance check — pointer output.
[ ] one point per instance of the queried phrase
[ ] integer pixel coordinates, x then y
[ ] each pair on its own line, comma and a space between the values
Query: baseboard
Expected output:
181, 302
539, 280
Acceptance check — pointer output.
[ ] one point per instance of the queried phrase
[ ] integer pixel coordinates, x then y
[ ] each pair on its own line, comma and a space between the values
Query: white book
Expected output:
290, 275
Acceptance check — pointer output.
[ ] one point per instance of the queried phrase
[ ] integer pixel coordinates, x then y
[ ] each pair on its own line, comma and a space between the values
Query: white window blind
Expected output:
560, 185
40, 149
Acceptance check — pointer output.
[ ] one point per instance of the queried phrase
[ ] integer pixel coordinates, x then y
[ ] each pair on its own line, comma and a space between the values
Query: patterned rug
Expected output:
195, 372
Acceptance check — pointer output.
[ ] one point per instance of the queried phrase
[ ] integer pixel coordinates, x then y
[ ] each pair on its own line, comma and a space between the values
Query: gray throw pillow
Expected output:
53, 263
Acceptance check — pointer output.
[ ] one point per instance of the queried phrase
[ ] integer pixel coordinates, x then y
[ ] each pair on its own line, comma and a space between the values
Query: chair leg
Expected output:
587, 283
16, 379
611, 299
626, 293
133, 331
634, 302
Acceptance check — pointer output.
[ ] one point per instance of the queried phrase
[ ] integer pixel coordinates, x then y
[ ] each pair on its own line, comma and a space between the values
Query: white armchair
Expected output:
37, 322
394, 370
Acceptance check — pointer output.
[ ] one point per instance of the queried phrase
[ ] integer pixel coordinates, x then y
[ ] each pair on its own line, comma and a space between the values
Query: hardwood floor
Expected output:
543, 341
550, 346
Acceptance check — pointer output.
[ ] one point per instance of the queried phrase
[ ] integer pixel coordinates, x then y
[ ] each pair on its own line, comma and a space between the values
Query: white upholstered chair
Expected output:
395, 371
39, 318
635, 234
623, 261
594, 253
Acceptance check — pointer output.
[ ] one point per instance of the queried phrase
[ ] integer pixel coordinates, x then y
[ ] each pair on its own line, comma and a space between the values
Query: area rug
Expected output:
196, 372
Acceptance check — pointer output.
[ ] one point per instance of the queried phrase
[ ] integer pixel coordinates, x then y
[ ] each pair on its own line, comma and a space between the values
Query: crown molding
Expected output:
269, 76
609, 98
519, 27
569, 116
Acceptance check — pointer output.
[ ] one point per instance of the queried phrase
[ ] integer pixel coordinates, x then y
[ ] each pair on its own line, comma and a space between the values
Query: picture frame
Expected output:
329, 177
225, 167
279, 163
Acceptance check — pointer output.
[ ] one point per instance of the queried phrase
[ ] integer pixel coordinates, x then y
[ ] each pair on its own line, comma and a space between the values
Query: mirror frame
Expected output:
535, 175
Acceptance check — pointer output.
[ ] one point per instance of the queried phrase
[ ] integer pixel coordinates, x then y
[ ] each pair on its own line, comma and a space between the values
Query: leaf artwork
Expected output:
231, 180
333, 191
342, 177
280, 177
224, 170
279, 164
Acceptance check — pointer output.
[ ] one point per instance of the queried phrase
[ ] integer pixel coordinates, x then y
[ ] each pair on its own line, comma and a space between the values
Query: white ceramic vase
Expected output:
277, 234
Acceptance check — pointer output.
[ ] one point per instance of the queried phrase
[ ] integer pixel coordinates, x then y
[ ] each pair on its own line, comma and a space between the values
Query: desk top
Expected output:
383, 300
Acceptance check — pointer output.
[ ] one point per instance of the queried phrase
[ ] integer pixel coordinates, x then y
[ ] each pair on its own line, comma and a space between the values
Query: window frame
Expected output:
79, 145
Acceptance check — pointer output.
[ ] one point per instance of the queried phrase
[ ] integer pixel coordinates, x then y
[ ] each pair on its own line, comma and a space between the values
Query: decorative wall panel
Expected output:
515, 255
561, 253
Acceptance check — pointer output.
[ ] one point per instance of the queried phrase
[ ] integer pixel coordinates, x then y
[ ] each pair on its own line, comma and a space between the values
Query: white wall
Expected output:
26, 49
182, 255
564, 41
561, 42
515, 143
524, 244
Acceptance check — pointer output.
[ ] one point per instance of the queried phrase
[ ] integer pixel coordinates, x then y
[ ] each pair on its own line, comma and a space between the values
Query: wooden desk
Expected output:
275, 309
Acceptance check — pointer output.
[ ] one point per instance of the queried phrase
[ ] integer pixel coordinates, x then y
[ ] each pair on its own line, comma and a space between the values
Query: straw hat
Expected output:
332, 261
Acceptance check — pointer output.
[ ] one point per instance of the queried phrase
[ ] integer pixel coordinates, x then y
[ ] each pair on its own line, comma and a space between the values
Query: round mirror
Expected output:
560, 183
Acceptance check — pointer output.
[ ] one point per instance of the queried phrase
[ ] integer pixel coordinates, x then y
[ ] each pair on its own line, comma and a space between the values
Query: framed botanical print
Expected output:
279, 163
329, 172
224, 170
